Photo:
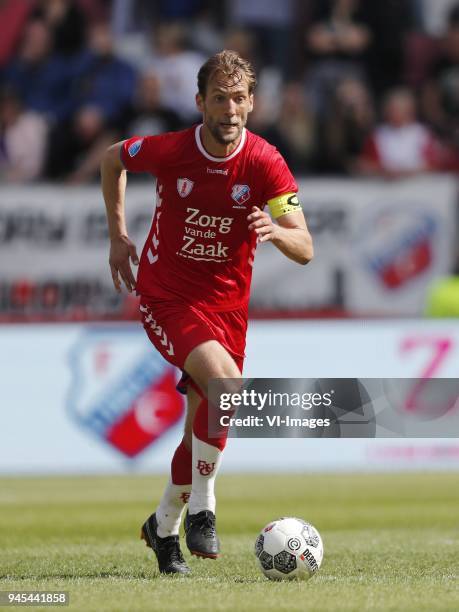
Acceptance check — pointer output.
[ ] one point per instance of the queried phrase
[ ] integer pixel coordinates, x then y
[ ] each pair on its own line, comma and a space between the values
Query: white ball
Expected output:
288, 549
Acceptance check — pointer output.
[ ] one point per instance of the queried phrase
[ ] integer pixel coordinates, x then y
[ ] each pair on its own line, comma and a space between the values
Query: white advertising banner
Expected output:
54, 249
378, 246
98, 398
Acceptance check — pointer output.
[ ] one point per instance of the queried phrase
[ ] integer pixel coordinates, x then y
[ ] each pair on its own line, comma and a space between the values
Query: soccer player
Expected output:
213, 181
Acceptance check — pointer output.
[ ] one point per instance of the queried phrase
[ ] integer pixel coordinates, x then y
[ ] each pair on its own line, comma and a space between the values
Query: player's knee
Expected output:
225, 371
210, 360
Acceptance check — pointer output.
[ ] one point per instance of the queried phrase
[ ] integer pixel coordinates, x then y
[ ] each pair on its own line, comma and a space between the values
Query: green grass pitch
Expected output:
391, 543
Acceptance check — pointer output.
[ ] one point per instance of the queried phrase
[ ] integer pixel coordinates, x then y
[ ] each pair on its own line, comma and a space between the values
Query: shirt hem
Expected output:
200, 305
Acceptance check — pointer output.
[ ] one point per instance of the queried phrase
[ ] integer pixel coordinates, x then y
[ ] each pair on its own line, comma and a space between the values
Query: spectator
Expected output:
337, 43
434, 15
176, 67
440, 95
75, 152
22, 140
67, 22
97, 11
269, 78
271, 23
130, 24
205, 36
344, 130
129, 16
243, 42
147, 116
293, 132
105, 81
13, 16
401, 146
182, 10
41, 79
389, 22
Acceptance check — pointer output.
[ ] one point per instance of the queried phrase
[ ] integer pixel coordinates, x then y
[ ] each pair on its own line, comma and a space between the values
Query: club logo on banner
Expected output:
122, 392
399, 244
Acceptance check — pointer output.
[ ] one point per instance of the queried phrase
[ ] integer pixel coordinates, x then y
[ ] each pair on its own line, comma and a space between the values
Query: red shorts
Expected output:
175, 329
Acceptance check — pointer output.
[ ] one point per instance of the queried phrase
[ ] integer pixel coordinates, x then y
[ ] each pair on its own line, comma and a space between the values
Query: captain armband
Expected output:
284, 204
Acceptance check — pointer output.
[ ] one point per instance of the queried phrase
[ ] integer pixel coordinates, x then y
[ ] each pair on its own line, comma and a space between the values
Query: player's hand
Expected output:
121, 250
262, 224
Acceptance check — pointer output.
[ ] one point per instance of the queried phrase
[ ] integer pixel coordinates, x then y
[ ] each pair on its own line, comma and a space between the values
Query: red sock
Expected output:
201, 427
181, 465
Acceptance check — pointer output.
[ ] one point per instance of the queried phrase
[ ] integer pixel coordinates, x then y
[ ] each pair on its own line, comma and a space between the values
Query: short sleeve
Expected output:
143, 153
278, 178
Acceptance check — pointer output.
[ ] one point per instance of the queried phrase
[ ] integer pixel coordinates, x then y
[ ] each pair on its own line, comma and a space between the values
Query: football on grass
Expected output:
289, 548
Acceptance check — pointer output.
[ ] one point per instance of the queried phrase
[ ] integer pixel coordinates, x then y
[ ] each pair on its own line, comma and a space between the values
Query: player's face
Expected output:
225, 107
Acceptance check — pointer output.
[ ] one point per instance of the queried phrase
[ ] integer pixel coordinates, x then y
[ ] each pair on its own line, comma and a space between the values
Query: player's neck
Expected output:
215, 148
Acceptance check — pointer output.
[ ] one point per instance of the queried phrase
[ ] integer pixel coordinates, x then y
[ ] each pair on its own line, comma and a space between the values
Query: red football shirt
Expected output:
199, 249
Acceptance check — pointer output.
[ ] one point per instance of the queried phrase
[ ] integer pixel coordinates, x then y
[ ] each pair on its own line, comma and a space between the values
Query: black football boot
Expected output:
201, 536
167, 550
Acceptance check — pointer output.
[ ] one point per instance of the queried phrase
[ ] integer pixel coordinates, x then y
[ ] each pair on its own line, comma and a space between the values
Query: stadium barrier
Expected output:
86, 398
378, 247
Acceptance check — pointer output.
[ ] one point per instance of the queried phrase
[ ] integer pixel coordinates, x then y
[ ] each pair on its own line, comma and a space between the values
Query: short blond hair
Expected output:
231, 65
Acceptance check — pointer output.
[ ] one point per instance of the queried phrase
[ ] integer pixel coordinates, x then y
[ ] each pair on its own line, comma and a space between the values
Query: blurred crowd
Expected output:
346, 87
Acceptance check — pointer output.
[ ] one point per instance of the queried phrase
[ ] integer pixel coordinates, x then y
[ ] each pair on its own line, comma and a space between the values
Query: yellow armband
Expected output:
283, 204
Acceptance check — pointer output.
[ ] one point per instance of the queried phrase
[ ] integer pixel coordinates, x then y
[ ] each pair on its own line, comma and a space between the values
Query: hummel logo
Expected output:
217, 171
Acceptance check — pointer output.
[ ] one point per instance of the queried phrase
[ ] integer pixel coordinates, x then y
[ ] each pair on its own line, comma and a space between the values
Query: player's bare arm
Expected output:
290, 234
122, 249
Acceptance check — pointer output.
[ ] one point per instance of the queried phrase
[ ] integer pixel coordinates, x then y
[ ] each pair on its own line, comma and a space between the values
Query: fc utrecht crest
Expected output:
240, 194
120, 391
184, 187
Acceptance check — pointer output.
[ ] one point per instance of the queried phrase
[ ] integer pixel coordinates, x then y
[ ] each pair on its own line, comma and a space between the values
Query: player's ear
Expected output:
199, 103
250, 103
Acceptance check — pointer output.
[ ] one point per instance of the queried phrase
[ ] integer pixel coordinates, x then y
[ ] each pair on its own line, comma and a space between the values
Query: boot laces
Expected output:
171, 549
206, 524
